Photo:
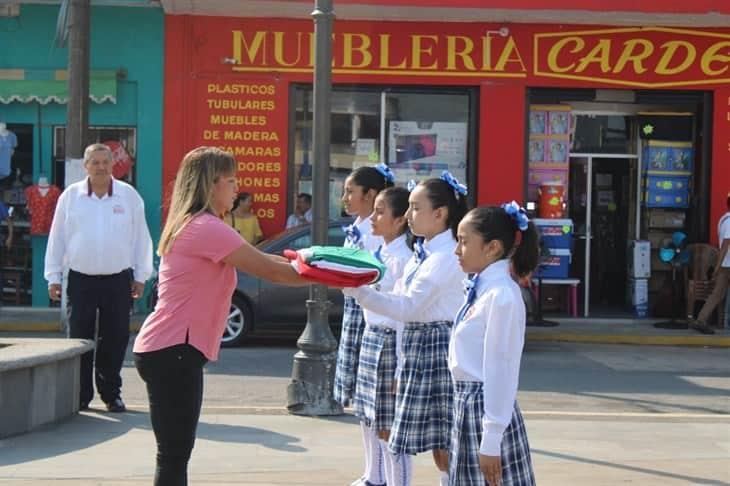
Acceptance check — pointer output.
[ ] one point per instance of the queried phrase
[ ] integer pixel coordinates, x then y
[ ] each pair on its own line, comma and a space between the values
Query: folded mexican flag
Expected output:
337, 266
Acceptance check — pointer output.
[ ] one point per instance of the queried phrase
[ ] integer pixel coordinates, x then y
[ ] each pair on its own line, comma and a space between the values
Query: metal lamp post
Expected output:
310, 391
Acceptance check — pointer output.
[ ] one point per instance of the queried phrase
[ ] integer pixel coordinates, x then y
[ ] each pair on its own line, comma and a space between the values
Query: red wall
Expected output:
653, 6
501, 169
197, 46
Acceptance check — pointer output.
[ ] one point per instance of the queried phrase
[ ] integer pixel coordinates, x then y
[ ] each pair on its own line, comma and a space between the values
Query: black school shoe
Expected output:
116, 406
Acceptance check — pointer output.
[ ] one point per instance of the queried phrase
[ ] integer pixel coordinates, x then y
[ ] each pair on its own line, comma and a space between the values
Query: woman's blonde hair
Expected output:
192, 194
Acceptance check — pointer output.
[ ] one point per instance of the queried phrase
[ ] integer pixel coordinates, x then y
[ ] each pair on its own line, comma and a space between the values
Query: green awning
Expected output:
24, 86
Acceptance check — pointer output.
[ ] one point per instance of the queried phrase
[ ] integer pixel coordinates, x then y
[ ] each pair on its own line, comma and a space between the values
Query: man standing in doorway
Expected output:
721, 275
99, 231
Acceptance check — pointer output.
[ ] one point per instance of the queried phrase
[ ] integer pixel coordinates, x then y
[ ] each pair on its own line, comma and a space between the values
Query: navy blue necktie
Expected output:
377, 254
470, 286
419, 253
352, 233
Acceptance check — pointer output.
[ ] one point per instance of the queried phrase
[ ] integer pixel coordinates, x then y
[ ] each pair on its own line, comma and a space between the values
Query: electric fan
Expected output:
675, 253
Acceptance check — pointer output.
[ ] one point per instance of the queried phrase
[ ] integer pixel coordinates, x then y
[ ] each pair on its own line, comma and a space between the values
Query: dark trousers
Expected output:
111, 295
174, 379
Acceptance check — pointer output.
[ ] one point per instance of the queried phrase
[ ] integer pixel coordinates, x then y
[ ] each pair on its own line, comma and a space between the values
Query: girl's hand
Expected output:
491, 467
384, 434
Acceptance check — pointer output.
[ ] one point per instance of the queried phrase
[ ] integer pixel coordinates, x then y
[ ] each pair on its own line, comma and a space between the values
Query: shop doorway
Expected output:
603, 205
631, 168
16, 261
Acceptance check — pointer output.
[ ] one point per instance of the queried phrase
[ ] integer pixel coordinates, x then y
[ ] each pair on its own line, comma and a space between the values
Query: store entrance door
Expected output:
603, 204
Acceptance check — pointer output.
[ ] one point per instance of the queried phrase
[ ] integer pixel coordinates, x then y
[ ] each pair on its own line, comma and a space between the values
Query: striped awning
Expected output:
46, 86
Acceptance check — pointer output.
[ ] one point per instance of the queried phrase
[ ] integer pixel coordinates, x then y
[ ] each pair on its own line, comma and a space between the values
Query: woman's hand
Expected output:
273, 268
491, 467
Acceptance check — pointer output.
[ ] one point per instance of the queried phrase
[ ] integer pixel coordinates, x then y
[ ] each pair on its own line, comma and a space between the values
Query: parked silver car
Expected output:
260, 305
263, 306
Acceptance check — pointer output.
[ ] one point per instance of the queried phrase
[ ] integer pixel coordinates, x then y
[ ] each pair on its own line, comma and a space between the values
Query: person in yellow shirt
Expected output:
243, 220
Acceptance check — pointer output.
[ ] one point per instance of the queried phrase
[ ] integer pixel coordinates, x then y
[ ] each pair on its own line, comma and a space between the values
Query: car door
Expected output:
286, 306
280, 304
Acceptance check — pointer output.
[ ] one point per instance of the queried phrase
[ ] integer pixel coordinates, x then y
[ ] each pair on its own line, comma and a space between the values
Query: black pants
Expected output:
111, 295
174, 378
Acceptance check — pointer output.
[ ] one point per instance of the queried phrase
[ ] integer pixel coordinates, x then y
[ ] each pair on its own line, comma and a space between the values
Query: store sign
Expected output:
642, 57
247, 118
390, 53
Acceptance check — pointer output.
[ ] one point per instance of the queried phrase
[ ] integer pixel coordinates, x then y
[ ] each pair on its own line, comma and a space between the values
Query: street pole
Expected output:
310, 391
77, 109
77, 117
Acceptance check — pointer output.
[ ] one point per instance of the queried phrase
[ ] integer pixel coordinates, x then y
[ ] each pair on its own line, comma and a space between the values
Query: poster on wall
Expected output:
247, 118
419, 150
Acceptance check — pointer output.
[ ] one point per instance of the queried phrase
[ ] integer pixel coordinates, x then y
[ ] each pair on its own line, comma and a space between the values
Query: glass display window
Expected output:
121, 140
418, 132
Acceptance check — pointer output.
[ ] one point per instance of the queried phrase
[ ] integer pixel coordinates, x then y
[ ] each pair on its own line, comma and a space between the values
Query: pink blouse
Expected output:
195, 289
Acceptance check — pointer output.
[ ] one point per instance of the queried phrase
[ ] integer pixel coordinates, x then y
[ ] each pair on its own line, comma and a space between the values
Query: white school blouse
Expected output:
395, 256
435, 293
486, 346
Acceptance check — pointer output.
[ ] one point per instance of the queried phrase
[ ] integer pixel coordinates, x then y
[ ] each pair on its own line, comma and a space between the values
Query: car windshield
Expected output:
276, 237
334, 226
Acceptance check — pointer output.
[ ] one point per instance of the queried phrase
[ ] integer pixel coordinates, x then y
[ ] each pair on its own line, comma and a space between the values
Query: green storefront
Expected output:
125, 110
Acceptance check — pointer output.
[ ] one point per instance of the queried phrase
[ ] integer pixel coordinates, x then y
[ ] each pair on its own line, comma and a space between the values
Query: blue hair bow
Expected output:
386, 172
352, 234
411, 185
455, 185
517, 213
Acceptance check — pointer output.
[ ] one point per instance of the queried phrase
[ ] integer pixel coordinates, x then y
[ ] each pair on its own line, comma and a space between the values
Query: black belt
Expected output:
101, 277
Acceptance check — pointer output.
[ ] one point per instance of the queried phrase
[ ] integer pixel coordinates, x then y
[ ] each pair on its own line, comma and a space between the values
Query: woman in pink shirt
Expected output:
200, 254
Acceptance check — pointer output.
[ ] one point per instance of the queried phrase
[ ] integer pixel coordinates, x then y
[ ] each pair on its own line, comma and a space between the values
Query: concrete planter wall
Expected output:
39, 382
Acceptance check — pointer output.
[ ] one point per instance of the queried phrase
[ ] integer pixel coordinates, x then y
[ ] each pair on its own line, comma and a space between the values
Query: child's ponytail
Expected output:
510, 225
526, 254
525, 247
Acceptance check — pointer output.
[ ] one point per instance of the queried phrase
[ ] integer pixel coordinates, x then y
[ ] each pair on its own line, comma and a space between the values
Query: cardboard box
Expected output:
667, 219
659, 239
637, 292
667, 200
639, 259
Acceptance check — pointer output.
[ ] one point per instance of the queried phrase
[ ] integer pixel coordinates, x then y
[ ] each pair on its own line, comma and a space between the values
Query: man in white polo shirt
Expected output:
721, 275
99, 231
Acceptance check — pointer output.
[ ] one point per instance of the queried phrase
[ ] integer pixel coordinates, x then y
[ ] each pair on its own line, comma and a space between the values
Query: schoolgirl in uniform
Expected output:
426, 299
358, 199
374, 401
489, 442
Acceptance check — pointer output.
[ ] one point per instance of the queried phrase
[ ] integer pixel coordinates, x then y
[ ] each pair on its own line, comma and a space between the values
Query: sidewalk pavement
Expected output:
591, 330
269, 447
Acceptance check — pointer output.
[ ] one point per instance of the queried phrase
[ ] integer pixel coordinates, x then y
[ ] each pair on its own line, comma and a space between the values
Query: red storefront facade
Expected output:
240, 83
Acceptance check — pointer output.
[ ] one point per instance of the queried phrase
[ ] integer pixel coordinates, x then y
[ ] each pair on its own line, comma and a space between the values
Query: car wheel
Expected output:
239, 324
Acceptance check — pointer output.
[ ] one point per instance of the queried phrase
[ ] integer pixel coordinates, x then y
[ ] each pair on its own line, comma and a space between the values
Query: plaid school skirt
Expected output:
348, 351
374, 401
423, 404
466, 437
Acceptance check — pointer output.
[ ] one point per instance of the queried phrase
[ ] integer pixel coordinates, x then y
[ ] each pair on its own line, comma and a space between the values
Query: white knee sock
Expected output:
374, 467
397, 467
444, 478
